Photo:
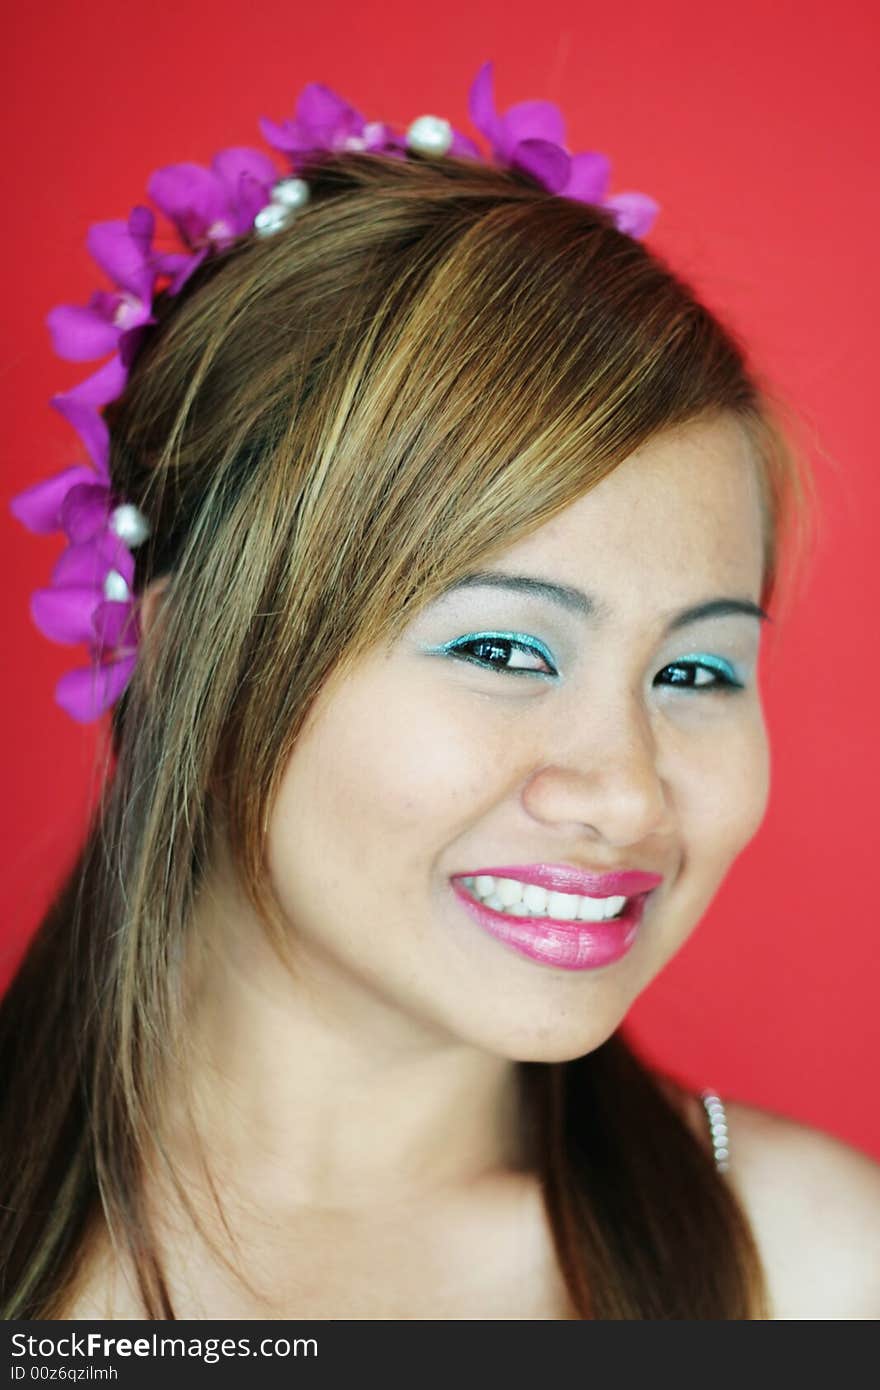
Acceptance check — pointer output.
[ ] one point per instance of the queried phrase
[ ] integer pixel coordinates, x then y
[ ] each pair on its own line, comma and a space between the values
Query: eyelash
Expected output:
724, 684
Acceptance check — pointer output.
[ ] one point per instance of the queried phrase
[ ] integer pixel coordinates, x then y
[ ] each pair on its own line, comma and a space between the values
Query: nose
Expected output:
604, 778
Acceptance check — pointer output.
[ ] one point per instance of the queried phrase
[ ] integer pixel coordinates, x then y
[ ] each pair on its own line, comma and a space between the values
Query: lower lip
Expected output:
552, 941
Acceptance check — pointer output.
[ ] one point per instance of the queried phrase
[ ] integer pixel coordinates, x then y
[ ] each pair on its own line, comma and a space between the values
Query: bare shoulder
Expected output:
814, 1205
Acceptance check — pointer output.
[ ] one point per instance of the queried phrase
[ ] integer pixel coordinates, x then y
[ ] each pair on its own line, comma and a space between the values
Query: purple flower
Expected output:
90, 596
325, 121
39, 507
87, 691
123, 250
531, 136
90, 599
210, 208
81, 407
65, 611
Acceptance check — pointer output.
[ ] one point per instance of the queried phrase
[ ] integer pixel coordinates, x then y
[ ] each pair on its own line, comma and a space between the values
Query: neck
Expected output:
310, 1090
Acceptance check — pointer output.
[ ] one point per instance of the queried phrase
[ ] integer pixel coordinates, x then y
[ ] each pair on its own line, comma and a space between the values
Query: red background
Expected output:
755, 126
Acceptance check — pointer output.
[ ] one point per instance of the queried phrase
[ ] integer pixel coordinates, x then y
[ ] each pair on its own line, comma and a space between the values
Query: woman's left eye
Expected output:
504, 651
721, 675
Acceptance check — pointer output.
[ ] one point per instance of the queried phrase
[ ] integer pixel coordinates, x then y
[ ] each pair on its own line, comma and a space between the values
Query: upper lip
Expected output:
564, 878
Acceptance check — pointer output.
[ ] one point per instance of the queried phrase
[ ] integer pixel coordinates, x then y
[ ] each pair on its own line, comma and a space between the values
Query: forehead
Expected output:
680, 516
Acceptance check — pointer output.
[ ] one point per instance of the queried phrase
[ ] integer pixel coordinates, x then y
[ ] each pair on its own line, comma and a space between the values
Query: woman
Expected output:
464, 520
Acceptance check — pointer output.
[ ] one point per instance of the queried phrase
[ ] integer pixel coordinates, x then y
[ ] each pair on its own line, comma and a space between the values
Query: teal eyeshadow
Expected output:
525, 638
717, 663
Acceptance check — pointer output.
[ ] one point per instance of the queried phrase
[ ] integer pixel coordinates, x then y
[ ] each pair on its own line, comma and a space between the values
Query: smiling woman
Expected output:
465, 521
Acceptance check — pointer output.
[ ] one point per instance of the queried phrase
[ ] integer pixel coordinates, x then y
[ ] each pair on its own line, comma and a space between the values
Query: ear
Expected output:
151, 602
150, 615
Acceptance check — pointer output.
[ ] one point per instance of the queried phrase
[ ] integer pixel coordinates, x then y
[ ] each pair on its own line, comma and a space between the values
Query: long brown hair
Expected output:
326, 428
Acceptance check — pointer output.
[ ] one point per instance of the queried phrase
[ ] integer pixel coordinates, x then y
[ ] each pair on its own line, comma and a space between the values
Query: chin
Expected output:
558, 1041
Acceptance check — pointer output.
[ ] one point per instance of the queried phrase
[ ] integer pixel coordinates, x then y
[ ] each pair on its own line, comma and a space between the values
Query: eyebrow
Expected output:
588, 606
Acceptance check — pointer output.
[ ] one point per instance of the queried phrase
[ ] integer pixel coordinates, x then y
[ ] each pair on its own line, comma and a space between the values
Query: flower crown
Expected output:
90, 596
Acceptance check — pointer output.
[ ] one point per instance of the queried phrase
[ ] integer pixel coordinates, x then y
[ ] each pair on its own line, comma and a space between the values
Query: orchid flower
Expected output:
531, 136
323, 120
123, 250
210, 208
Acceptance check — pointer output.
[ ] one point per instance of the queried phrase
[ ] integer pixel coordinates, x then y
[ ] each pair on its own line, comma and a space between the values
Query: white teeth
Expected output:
509, 891
564, 905
529, 900
534, 897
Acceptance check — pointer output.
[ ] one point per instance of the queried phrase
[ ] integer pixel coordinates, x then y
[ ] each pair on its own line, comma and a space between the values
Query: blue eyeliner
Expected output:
521, 639
729, 678
715, 663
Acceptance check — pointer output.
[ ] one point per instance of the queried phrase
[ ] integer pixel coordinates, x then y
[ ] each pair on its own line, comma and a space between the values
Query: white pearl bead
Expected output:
115, 587
271, 219
429, 135
130, 524
291, 193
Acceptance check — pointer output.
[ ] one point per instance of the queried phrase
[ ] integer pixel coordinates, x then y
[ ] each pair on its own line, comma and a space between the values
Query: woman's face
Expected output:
519, 726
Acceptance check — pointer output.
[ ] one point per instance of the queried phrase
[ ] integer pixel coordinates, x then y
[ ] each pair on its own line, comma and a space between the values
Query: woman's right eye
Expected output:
513, 652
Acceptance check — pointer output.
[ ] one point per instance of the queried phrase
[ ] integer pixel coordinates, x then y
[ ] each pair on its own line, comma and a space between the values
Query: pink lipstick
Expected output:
569, 944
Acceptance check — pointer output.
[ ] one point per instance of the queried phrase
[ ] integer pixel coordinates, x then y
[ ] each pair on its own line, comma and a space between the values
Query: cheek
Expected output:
726, 796
384, 777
